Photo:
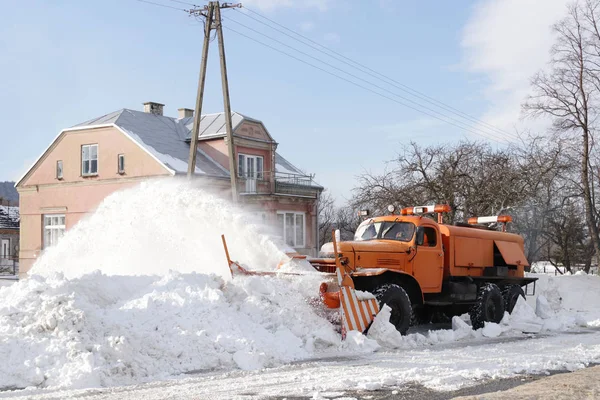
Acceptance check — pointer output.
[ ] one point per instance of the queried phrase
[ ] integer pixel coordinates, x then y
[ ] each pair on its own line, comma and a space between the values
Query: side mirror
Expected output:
420, 236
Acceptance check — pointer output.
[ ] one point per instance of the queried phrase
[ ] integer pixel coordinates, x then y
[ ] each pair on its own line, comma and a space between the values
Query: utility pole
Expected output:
226, 105
200, 95
212, 13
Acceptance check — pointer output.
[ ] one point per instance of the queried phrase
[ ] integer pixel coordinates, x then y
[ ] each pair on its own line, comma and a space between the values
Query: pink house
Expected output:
89, 161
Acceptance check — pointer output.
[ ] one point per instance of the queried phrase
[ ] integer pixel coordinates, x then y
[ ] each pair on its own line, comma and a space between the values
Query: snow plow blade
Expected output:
357, 309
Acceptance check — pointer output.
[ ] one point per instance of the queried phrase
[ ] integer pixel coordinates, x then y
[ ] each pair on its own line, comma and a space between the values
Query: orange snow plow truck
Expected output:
421, 269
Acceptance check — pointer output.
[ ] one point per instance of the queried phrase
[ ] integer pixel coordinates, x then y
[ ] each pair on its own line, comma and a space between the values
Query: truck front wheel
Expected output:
397, 299
489, 306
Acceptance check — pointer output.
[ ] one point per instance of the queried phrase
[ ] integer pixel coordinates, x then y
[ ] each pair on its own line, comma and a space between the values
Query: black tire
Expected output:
511, 294
397, 299
489, 306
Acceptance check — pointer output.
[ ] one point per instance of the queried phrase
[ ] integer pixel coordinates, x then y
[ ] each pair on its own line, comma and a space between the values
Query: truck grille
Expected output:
388, 261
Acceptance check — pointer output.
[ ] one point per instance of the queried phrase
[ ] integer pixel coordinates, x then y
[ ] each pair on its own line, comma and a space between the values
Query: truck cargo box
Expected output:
469, 251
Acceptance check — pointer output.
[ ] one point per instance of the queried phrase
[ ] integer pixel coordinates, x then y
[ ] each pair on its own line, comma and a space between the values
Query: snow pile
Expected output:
561, 303
99, 330
160, 226
164, 303
567, 301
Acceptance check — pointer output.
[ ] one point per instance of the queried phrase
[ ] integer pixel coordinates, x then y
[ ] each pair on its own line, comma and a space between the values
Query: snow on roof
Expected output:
213, 125
9, 217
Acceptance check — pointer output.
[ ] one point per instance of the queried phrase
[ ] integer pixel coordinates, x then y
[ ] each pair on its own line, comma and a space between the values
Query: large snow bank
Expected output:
100, 330
164, 303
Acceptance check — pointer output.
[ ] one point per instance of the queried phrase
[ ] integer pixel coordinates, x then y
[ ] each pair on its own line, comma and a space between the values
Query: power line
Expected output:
363, 68
361, 86
463, 125
186, 3
161, 5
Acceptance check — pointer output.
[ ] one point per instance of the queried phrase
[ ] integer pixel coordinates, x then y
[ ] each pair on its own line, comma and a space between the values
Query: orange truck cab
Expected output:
421, 268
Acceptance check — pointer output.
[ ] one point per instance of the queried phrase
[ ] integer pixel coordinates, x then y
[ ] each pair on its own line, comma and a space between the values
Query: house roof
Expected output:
9, 217
167, 139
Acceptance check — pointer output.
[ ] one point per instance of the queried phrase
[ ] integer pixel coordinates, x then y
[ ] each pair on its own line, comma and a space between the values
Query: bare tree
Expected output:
471, 177
327, 217
568, 93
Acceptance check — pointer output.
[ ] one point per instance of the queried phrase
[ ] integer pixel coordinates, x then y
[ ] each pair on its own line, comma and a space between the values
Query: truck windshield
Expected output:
367, 231
402, 231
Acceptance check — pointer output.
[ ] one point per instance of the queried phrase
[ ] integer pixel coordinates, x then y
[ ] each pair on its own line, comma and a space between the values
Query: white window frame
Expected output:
121, 165
83, 161
296, 244
59, 169
51, 222
243, 166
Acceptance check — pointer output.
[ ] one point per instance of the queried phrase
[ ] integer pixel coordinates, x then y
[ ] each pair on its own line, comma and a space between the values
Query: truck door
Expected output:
428, 263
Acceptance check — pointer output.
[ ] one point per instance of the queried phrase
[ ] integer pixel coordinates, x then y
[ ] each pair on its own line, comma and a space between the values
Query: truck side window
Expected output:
429, 236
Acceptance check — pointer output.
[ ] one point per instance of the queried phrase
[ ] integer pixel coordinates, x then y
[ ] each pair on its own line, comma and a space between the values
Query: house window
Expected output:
250, 166
4, 249
89, 159
292, 225
59, 169
54, 229
121, 163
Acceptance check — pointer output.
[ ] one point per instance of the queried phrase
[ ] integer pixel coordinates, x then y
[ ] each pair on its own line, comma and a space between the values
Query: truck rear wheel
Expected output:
489, 306
511, 294
397, 299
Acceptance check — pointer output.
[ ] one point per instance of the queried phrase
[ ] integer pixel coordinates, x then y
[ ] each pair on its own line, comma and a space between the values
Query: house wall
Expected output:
111, 142
271, 205
75, 196
217, 150
251, 139
252, 130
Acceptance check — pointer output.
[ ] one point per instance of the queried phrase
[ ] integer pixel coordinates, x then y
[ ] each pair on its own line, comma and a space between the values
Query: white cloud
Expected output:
271, 5
508, 41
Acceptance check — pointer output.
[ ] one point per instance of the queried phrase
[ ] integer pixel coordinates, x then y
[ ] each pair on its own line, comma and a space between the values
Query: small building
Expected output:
9, 240
89, 161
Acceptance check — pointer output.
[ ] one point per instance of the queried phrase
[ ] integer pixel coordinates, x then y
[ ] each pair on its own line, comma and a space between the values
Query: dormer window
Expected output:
89, 160
251, 167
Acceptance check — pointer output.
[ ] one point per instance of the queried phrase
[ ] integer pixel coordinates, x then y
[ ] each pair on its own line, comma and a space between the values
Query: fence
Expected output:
9, 265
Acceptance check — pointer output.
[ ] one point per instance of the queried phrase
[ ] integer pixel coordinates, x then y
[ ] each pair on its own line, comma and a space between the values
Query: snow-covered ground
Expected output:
165, 305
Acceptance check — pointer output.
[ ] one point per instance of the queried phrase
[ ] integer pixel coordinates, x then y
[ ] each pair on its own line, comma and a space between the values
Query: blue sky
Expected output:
68, 61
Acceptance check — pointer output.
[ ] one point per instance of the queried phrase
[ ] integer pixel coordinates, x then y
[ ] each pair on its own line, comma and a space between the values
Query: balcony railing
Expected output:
279, 183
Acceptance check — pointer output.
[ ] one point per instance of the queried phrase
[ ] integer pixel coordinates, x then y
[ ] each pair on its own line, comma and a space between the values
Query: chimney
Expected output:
153, 108
185, 113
